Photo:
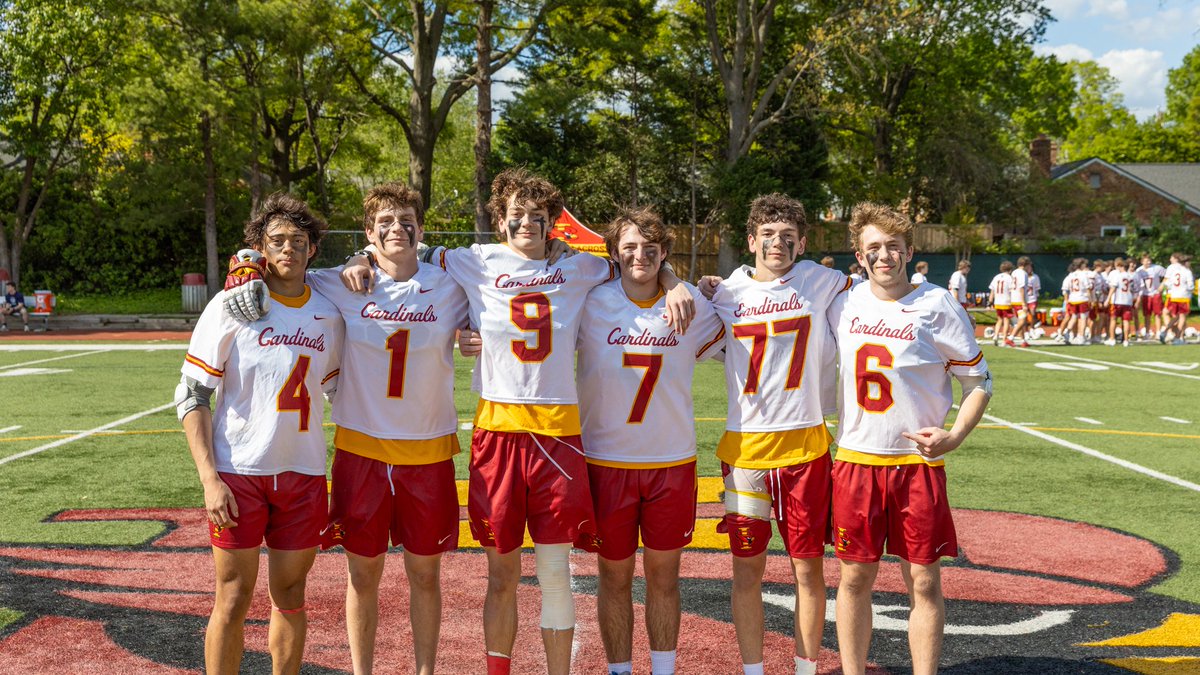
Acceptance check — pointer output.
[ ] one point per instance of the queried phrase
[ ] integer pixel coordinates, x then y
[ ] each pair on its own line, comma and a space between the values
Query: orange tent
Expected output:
577, 235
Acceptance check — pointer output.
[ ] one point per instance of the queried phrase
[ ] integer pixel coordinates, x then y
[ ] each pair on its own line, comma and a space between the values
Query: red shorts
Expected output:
416, 505
519, 477
1179, 307
800, 497
661, 503
905, 505
1152, 305
1004, 313
1122, 312
1077, 308
1031, 307
288, 510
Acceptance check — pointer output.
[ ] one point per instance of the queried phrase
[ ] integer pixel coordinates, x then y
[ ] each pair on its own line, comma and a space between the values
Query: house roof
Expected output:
1176, 182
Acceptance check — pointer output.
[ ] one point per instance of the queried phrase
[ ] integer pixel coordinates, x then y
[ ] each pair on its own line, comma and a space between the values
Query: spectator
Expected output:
827, 261
14, 303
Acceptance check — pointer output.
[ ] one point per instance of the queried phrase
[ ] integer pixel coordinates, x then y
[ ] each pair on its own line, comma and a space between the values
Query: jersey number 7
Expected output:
800, 325
653, 365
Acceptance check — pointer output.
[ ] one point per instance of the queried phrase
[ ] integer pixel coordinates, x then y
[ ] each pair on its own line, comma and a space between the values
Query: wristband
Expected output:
364, 252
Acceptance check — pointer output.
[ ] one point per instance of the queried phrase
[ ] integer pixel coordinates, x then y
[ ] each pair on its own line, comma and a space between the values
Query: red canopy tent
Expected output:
577, 235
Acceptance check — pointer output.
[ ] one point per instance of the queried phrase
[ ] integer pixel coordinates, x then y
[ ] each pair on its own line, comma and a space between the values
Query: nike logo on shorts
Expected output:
443, 539
939, 548
689, 532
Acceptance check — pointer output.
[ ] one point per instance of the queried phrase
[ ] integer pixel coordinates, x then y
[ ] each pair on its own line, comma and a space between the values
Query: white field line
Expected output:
1085, 420
5, 430
1059, 354
115, 347
1097, 454
84, 434
1175, 420
53, 358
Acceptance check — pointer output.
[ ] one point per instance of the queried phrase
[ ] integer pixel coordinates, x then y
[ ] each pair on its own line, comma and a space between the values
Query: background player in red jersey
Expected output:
898, 346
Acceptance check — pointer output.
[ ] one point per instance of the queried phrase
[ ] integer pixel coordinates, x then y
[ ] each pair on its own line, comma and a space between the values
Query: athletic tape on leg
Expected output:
746, 493
554, 577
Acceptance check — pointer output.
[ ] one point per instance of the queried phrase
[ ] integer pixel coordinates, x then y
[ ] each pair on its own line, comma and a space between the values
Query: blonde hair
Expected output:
648, 224
888, 220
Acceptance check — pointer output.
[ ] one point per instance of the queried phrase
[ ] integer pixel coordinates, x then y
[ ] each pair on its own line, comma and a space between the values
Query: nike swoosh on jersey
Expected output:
909, 311
318, 318
784, 281
424, 290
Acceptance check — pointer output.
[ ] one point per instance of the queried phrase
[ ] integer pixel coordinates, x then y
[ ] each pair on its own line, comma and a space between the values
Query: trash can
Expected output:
195, 293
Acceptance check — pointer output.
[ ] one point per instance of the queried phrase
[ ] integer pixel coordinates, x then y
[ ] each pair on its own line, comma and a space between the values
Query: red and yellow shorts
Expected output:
1077, 308
660, 503
1005, 313
1179, 307
1123, 312
797, 496
287, 510
904, 505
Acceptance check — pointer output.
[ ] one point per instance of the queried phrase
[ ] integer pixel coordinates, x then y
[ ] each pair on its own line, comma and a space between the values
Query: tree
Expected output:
1183, 91
62, 59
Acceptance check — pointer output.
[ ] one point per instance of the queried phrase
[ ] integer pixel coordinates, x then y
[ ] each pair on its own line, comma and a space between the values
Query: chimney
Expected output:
1042, 153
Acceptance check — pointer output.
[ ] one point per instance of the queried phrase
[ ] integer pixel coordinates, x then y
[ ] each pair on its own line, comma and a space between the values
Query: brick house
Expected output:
1145, 190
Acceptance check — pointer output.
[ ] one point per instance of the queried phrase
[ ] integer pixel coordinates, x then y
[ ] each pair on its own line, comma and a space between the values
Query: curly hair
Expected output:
525, 186
391, 196
281, 206
888, 220
648, 224
776, 208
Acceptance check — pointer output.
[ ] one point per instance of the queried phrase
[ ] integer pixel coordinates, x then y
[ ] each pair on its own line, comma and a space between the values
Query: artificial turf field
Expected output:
1078, 509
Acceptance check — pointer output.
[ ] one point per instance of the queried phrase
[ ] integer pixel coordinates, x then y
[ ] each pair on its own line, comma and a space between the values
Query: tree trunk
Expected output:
211, 258
483, 120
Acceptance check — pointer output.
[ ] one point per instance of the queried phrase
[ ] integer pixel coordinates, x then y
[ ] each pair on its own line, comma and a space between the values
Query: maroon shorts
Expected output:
1179, 307
1074, 309
288, 510
416, 506
661, 503
1031, 307
519, 478
800, 496
1122, 312
905, 506
1152, 305
1005, 313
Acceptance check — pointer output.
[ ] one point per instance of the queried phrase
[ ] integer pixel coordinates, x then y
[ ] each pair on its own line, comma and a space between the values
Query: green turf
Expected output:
8, 616
999, 469
146, 301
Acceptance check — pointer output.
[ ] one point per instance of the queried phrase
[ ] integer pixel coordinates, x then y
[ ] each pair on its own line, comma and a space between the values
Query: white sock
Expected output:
752, 668
805, 666
662, 663
620, 668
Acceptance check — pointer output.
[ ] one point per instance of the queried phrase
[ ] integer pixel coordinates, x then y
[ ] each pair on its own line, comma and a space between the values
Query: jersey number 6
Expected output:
864, 377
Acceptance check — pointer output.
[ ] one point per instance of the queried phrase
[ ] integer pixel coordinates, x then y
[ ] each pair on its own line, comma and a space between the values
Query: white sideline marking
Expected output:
14, 427
881, 620
1175, 420
1044, 352
1097, 454
85, 434
33, 371
53, 358
116, 347
1087, 420
1168, 366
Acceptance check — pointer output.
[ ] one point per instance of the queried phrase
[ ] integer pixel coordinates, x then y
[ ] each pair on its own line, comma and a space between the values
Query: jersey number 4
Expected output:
538, 322
294, 394
757, 332
877, 398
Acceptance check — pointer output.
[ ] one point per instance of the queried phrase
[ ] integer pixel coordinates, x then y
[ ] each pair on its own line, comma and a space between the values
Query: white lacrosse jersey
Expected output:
896, 359
1001, 288
1033, 289
528, 314
635, 378
1099, 286
269, 376
1179, 282
917, 278
1020, 281
958, 287
1140, 281
1154, 278
776, 339
1079, 287
1124, 287
397, 379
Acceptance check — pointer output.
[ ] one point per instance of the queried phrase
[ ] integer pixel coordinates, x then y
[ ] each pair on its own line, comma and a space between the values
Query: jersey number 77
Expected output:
757, 332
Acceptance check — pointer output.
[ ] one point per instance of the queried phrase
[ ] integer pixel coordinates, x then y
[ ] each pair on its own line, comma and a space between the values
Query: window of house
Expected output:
1094, 180
1145, 230
1112, 231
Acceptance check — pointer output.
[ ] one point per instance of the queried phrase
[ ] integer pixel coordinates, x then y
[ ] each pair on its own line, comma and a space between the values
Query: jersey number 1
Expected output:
294, 394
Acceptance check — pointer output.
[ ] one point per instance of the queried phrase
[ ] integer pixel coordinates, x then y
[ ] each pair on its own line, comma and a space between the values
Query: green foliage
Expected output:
143, 301
1165, 235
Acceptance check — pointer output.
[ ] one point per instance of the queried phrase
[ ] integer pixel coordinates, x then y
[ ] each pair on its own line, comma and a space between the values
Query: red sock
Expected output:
498, 665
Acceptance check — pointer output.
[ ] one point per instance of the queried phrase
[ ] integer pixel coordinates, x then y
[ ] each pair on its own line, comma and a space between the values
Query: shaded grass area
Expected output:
147, 301
998, 469
8, 616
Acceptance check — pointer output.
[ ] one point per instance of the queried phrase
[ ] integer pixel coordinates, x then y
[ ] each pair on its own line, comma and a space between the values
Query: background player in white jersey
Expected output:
1098, 317
1020, 289
897, 345
635, 395
1122, 292
1000, 297
918, 277
1180, 284
527, 459
775, 450
261, 452
1079, 298
1152, 303
958, 285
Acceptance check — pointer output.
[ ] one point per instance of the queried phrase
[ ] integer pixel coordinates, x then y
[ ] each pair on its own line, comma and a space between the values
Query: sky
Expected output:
1137, 40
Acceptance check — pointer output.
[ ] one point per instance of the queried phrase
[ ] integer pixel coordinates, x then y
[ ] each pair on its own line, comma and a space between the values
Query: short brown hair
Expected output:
281, 206
922, 267
1024, 260
525, 186
394, 196
963, 264
776, 208
887, 219
648, 224
1006, 266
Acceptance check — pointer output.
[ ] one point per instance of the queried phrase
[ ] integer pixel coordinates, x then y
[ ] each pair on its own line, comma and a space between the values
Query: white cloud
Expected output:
1170, 24
1067, 52
1142, 74
1065, 9
1116, 9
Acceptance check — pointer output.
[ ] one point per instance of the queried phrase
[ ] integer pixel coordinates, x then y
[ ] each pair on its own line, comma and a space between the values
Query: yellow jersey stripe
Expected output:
203, 366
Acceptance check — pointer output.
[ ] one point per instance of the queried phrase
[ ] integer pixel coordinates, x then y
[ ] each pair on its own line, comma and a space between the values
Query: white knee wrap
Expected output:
554, 576
746, 493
